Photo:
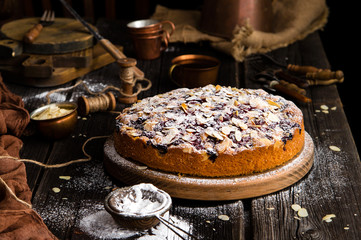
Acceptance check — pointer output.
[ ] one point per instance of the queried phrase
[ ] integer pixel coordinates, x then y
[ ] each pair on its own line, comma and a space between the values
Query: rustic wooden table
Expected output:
76, 212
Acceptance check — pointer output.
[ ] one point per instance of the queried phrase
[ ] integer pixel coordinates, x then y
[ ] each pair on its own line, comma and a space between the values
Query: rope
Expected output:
100, 103
13, 194
47, 166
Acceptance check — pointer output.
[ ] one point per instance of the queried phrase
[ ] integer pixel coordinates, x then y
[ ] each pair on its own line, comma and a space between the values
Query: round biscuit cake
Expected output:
212, 131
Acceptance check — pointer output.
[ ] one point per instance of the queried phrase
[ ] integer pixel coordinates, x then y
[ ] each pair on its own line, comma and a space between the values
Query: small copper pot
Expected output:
57, 127
193, 70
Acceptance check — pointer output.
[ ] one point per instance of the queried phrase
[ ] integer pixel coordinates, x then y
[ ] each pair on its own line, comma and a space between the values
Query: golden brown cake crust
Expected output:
212, 131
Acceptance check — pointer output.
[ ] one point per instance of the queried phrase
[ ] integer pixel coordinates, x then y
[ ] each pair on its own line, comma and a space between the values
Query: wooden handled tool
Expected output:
46, 20
113, 51
325, 75
302, 69
33, 33
317, 74
290, 92
118, 55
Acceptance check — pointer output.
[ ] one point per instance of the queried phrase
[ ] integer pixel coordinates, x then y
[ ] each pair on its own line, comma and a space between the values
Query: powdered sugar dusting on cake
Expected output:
212, 118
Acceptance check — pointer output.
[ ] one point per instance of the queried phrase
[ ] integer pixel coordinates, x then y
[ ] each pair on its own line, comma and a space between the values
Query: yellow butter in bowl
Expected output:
56, 120
52, 112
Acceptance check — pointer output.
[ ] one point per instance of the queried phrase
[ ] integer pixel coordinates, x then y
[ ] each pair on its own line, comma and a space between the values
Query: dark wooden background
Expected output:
332, 186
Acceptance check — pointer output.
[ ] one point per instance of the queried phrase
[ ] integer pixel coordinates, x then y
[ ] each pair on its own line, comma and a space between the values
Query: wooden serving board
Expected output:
63, 36
214, 189
59, 75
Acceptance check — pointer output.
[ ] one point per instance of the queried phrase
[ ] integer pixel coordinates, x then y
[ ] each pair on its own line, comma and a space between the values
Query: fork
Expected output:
46, 20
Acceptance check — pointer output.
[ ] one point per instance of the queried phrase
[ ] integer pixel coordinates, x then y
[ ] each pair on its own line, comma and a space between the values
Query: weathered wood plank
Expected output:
332, 186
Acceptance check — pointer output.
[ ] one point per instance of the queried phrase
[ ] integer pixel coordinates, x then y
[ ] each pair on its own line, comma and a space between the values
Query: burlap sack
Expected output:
292, 20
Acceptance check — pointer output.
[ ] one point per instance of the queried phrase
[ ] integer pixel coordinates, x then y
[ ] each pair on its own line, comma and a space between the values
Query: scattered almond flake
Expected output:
223, 217
296, 207
239, 123
302, 212
317, 111
334, 148
273, 117
184, 107
226, 129
213, 133
270, 102
238, 135
64, 198
108, 187
270, 208
324, 107
135, 134
84, 118
207, 221
346, 228
328, 217
333, 108
55, 189
325, 111
295, 217
265, 141
142, 167
65, 177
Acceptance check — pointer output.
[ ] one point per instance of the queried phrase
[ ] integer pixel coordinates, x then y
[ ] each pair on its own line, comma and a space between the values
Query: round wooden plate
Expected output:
200, 188
64, 35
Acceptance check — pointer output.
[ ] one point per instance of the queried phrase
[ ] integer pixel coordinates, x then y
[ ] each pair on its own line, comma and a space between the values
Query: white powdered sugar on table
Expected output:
101, 225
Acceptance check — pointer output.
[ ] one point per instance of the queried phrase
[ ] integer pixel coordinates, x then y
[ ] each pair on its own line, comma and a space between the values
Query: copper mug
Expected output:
193, 70
150, 37
150, 26
150, 46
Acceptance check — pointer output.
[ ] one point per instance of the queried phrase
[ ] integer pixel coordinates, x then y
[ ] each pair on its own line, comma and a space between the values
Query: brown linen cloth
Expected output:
292, 20
17, 221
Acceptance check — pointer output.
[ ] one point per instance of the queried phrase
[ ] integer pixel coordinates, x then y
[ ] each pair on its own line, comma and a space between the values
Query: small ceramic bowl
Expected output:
137, 207
55, 126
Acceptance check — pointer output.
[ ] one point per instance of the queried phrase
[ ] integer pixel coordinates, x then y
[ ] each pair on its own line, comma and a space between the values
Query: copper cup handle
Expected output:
171, 24
165, 40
